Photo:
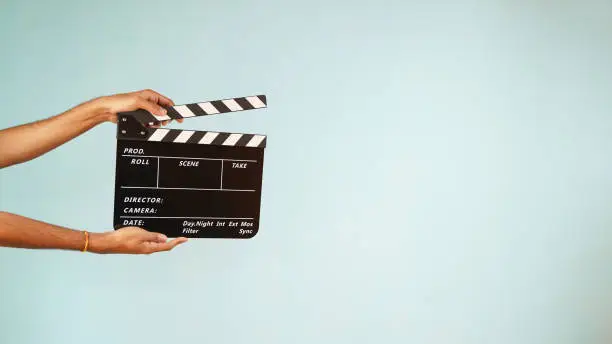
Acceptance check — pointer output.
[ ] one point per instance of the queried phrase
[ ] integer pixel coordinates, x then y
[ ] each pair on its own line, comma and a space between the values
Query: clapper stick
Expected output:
198, 184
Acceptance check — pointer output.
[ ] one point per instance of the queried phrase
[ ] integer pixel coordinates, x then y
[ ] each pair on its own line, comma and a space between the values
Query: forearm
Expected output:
25, 142
22, 232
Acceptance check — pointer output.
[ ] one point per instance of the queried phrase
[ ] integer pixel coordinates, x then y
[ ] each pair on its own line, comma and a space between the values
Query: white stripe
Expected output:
256, 102
208, 138
184, 111
183, 136
162, 118
232, 105
159, 134
255, 141
232, 139
208, 108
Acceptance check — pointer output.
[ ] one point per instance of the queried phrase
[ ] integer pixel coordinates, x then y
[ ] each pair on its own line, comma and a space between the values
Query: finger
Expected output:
153, 237
156, 97
150, 106
169, 245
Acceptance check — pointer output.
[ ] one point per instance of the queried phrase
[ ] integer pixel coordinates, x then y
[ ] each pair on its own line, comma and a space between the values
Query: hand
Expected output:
146, 99
132, 240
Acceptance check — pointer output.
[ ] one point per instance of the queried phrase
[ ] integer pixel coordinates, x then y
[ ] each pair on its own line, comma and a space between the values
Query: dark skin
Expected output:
25, 142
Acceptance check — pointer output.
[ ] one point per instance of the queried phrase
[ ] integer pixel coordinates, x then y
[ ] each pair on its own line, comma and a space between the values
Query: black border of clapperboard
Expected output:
139, 124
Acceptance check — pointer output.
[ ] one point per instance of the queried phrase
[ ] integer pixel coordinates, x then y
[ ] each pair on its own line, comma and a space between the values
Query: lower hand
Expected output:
132, 240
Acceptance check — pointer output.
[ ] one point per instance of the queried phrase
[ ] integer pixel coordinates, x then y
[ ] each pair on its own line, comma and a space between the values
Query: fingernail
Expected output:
163, 111
163, 237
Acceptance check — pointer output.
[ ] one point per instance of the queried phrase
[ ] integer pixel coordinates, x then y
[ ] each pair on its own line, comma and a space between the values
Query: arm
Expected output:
28, 141
21, 232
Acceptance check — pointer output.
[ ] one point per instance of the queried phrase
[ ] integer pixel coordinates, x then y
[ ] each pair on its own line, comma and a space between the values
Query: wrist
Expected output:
99, 243
95, 111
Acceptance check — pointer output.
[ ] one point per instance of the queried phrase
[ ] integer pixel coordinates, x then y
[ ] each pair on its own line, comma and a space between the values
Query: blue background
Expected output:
436, 172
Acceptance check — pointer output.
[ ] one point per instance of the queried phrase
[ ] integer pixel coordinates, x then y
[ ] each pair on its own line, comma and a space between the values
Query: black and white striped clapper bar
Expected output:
197, 184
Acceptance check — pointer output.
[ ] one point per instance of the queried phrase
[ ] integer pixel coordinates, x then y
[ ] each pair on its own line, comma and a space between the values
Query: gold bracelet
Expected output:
86, 241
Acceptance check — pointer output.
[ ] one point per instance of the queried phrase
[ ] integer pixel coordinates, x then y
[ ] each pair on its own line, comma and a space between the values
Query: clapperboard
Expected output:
197, 184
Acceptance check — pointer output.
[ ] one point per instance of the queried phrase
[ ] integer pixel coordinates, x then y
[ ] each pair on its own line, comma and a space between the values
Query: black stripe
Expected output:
171, 135
220, 106
196, 137
262, 144
244, 103
263, 99
220, 138
196, 109
244, 139
148, 133
172, 113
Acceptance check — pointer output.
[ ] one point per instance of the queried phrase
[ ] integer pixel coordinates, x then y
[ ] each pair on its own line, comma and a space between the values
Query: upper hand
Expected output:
132, 240
148, 100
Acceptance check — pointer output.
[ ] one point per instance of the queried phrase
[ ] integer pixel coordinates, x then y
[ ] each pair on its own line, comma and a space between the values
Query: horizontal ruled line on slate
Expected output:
187, 217
162, 188
183, 157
